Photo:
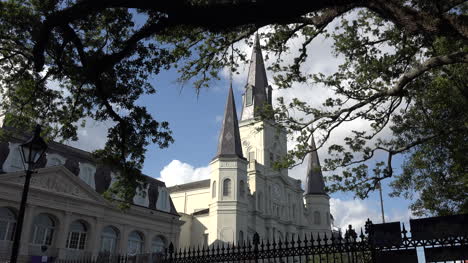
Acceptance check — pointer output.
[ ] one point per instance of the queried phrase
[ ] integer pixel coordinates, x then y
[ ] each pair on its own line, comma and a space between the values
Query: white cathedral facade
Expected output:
244, 194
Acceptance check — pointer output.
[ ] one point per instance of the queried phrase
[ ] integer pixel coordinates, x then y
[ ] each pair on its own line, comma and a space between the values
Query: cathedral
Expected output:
244, 194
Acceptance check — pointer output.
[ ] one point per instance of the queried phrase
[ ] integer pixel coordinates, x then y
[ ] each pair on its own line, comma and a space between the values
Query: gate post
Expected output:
256, 241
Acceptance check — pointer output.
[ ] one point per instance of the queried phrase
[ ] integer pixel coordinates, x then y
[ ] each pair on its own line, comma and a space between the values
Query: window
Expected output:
241, 189
135, 243
7, 224
77, 236
317, 218
87, 172
43, 230
249, 95
294, 211
227, 187
158, 244
109, 237
328, 218
241, 236
272, 159
213, 193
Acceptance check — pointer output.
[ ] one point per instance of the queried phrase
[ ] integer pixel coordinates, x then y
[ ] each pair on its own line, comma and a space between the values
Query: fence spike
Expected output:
404, 231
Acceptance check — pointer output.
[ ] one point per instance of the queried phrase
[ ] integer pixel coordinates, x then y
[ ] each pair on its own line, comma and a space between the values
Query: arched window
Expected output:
241, 189
158, 244
241, 236
77, 236
109, 238
227, 187
213, 193
317, 218
7, 224
43, 230
135, 243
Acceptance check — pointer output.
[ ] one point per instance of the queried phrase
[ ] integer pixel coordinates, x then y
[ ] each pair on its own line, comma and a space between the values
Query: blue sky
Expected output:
195, 122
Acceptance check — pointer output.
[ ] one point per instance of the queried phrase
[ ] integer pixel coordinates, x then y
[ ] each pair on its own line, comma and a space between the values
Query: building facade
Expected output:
244, 193
66, 215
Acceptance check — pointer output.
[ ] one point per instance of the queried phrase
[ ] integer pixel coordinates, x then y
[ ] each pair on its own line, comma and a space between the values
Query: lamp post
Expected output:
31, 151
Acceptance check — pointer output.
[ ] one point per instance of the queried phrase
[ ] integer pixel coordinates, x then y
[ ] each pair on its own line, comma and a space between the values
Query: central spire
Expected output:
257, 90
229, 144
314, 181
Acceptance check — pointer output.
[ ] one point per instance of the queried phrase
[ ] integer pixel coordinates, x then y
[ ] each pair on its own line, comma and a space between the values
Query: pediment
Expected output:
56, 180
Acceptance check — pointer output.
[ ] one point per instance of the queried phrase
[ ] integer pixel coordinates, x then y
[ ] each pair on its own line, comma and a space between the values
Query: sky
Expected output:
195, 121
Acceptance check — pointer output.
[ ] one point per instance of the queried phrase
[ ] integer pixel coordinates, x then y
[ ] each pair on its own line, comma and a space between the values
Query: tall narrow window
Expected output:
135, 243
43, 230
158, 244
317, 218
77, 236
241, 236
109, 240
227, 187
213, 193
205, 240
7, 224
241, 189
249, 95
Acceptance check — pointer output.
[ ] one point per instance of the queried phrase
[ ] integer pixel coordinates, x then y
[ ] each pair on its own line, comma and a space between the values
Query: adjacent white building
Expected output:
244, 194
66, 215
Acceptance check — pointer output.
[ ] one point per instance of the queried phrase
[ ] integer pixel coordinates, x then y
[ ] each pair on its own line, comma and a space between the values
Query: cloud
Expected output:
177, 172
93, 136
356, 212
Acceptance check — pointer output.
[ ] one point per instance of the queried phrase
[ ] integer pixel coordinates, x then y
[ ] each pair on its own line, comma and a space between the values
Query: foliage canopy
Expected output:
404, 67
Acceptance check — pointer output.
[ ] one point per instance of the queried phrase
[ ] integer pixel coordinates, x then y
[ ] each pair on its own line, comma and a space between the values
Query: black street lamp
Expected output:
31, 152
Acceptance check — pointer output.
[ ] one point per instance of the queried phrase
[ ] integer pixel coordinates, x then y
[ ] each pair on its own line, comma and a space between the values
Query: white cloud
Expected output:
93, 136
355, 212
177, 172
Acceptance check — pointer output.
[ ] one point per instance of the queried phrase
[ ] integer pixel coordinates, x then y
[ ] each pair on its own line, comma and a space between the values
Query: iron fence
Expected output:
441, 239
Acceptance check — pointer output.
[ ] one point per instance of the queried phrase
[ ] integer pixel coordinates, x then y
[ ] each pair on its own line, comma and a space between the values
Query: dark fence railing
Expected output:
441, 239
437, 239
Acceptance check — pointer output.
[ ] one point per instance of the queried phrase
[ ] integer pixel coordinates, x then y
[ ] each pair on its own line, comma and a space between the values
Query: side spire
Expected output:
257, 90
314, 181
229, 144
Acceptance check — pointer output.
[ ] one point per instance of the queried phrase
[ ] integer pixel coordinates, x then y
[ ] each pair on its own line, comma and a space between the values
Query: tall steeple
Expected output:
314, 181
257, 90
229, 144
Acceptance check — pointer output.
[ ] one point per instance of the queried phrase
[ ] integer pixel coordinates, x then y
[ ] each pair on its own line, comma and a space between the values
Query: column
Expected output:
61, 235
94, 245
148, 239
123, 239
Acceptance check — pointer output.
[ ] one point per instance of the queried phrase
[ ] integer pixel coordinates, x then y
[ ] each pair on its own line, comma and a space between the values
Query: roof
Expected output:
314, 179
189, 186
229, 142
74, 156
